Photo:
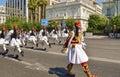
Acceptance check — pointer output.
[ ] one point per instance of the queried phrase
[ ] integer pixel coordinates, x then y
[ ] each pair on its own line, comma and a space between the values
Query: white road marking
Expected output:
92, 58
35, 66
64, 54
38, 66
105, 59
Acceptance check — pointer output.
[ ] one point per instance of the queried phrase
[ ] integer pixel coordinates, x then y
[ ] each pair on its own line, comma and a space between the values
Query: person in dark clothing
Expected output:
43, 37
14, 42
2, 40
33, 38
54, 34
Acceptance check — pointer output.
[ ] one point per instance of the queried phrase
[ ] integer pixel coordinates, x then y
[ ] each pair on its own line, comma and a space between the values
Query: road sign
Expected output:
63, 24
44, 22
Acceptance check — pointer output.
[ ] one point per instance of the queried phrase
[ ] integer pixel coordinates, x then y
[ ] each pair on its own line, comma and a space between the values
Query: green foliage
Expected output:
89, 29
21, 24
28, 26
115, 21
37, 25
53, 23
14, 20
97, 22
34, 5
70, 23
41, 2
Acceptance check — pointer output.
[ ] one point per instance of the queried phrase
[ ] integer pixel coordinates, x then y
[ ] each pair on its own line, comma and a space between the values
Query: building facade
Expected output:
2, 14
76, 9
17, 8
52, 2
111, 7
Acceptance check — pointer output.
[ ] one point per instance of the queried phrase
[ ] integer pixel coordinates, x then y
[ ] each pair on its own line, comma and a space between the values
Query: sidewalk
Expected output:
97, 36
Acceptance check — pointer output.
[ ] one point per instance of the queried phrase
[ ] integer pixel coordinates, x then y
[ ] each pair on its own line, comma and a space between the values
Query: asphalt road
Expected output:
103, 53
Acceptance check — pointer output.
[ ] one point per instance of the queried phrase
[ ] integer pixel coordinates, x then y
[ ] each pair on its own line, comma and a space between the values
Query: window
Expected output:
83, 10
64, 14
108, 12
52, 3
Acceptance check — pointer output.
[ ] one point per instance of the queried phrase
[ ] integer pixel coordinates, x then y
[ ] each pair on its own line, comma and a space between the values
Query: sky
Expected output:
100, 1
2, 2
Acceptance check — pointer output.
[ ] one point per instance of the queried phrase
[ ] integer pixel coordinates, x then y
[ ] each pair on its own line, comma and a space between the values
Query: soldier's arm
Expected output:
65, 46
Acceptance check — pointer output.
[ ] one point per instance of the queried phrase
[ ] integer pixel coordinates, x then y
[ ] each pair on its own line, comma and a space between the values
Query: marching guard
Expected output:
54, 34
3, 40
22, 37
32, 37
65, 32
15, 41
76, 54
43, 37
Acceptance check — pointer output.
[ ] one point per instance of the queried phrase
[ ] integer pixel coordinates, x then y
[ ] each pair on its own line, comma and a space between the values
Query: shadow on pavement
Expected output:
29, 47
0, 53
13, 57
59, 71
40, 49
37, 48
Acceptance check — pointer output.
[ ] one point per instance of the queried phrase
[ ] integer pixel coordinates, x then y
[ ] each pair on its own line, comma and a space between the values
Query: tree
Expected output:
14, 20
116, 21
70, 23
32, 6
97, 22
54, 23
37, 7
42, 4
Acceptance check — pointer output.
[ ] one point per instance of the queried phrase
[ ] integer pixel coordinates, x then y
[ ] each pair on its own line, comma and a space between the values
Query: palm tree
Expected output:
37, 7
42, 6
39, 4
32, 5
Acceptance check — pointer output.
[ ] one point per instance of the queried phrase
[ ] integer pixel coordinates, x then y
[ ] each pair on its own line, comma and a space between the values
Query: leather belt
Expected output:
73, 46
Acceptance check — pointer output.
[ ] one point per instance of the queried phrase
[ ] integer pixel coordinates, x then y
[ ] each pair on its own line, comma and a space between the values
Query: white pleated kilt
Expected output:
6, 41
2, 40
54, 36
43, 38
15, 42
26, 37
64, 34
19, 41
32, 38
76, 55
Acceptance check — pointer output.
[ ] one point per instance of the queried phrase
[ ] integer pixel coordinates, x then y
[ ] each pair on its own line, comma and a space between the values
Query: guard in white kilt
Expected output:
54, 34
26, 37
65, 32
33, 38
76, 54
3, 41
43, 37
15, 41
22, 37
